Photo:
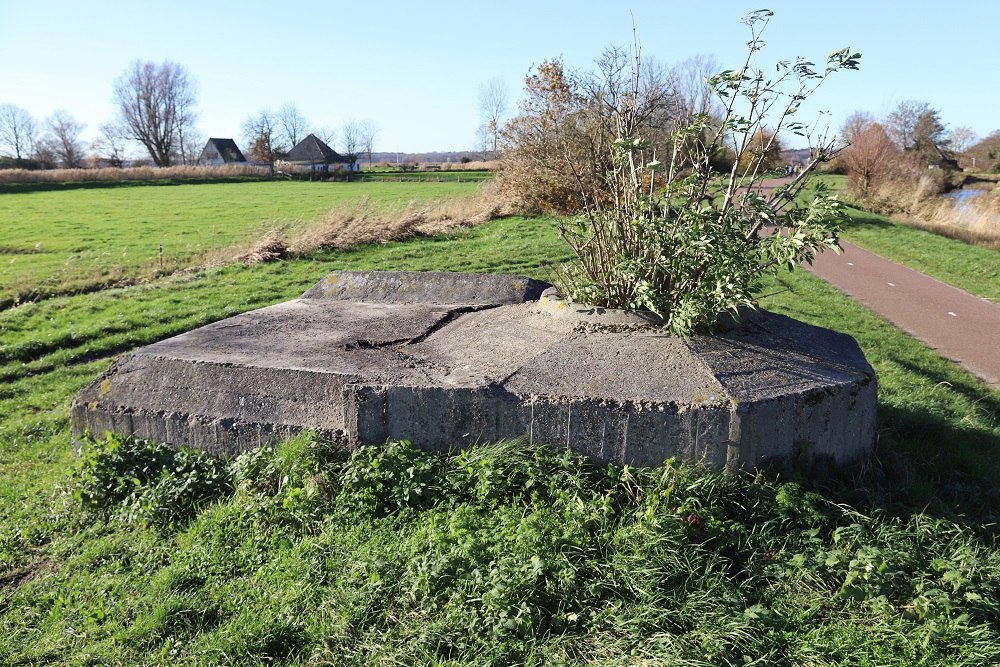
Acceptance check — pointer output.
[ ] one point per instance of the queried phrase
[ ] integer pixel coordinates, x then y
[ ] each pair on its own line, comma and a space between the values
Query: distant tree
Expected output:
262, 135
64, 137
615, 104
762, 152
294, 126
901, 122
189, 145
930, 138
484, 140
493, 104
368, 133
960, 138
688, 81
871, 158
110, 144
44, 154
156, 103
18, 132
985, 153
351, 139
854, 125
328, 135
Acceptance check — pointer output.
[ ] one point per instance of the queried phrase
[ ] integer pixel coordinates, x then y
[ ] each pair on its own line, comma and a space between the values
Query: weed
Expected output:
149, 482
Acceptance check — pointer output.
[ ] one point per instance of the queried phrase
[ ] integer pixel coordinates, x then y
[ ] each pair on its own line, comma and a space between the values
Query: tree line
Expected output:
156, 112
555, 146
909, 150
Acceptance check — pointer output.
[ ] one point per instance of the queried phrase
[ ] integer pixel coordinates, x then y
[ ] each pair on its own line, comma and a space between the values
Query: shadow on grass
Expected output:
928, 462
859, 218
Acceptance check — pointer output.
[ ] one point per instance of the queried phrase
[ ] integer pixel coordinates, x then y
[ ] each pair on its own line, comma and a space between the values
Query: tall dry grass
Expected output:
113, 174
975, 220
364, 223
915, 199
475, 165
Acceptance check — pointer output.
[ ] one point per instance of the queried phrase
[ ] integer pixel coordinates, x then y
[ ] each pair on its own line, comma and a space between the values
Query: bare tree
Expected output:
44, 154
156, 103
351, 140
189, 145
961, 138
262, 137
870, 159
328, 135
930, 138
368, 132
854, 125
294, 125
901, 122
18, 132
65, 139
484, 140
629, 95
689, 85
493, 102
110, 144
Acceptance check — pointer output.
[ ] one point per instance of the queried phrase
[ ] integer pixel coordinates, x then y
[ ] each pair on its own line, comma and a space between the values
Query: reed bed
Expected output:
114, 174
975, 221
366, 223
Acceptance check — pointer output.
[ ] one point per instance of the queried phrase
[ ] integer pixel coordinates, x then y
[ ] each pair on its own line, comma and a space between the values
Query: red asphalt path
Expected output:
958, 325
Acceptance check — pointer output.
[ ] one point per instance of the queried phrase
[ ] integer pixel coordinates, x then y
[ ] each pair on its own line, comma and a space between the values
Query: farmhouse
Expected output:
220, 151
312, 154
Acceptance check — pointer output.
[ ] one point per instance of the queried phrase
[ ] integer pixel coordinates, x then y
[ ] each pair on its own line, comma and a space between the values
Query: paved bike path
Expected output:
958, 325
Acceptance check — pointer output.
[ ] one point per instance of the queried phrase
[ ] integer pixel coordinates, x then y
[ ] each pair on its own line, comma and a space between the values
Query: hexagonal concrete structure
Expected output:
445, 360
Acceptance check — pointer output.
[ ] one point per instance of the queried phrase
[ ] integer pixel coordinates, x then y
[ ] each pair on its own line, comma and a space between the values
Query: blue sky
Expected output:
415, 69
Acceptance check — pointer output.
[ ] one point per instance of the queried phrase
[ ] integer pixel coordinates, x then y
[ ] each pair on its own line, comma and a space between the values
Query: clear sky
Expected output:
415, 68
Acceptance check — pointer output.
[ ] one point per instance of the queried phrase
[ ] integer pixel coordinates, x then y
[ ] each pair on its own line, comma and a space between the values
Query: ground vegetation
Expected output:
304, 554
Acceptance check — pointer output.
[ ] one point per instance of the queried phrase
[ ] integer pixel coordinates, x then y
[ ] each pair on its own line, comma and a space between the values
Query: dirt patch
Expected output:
23, 574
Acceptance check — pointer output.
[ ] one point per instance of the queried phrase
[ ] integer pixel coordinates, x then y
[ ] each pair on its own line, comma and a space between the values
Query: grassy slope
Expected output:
892, 581
65, 239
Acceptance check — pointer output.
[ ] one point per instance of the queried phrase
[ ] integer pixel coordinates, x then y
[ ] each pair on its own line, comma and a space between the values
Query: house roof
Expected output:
313, 151
226, 148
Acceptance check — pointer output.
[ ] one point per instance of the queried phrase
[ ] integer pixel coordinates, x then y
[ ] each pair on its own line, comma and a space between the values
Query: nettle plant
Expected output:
689, 240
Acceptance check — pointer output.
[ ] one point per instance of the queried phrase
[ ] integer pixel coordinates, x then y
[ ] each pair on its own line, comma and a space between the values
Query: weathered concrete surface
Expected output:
445, 360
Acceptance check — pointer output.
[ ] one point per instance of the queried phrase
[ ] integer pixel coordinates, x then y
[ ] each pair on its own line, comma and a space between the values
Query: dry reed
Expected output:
475, 165
916, 202
363, 223
113, 174
975, 221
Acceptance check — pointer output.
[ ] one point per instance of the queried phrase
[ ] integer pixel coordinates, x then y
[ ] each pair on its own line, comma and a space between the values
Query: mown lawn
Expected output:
501, 555
61, 240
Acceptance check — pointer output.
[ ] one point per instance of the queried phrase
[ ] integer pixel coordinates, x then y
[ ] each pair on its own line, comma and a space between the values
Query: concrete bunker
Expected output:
449, 359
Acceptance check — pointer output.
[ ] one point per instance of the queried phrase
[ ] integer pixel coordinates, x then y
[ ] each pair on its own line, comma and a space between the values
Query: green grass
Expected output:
63, 240
502, 555
444, 175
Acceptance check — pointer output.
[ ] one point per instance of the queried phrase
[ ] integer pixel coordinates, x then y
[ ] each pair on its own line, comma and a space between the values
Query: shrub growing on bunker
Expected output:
683, 239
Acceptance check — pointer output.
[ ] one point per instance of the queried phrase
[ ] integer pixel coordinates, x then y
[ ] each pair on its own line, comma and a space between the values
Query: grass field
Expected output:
64, 240
502, 555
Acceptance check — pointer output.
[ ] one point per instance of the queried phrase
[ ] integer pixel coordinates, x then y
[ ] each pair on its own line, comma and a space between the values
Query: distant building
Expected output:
311, 154
220, 151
